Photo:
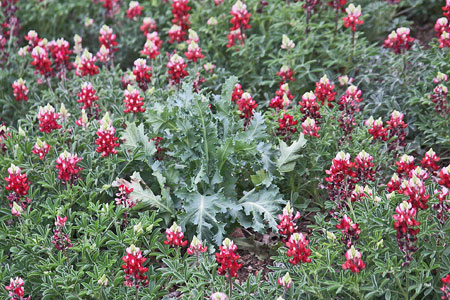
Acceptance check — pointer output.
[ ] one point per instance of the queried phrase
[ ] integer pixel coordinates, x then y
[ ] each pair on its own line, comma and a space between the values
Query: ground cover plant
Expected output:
221, 149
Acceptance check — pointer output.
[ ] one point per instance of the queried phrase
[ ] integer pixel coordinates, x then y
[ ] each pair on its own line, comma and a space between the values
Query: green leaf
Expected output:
135, 138
289, 155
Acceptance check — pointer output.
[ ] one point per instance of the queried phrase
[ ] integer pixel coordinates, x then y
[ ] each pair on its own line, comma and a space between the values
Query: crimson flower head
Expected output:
16, 289
350, 231
151, 49
247, 107
341, 166
33, 39
353, 262
240, 19
237, 93
325, 91
142, 73
67, 167
175, 236
61, 240
376, 128
286, 126
228, 259
134, 10
406, 164
41, 148
87, 95
133, 268
20, 90
352, 18
85, 65
148, 25
196, 247
444, 177
123, 198
176, 69
133, 100
107, 38
399, 40
440, 26
106, 140
444, 39
180, 12
194, 52
445, 287
285, 281
406, 235
310, 107
41, 61
17, 183
310, 128
286, 74
430, 159
446, 8
287, 225
297, 249
47, 119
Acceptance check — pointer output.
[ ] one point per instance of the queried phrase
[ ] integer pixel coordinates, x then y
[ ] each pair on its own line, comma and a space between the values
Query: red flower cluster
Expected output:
349, 105
310, 128
352, 18
175, 236
85, 65
194, 52
440, 26
152, 45
16, 289
196, 247
177, 69
122, 197
148, 25
364, 167
17, 183
444, 177
134, 10
61, 240
180, 12
240, 19
283, 97
87, 96
47, 119
106, 140
350, 231
133, 268
353, 261
337, 4
287, 225
41, 61
406, 234
446, 8
443, 207
396, 128
405, 164
286, 126
297, 249
246, 106
228, 259
439, 95
376, 129
309, 107
20, 90
142, 73
133, 100
325, 91
112, 7
429, 161
60, 53
33, 39
67, 167
286, 74
399, 40
446, 284
41, 148
237, 93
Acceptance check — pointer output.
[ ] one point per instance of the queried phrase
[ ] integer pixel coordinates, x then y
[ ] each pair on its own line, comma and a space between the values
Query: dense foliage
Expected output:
147, 150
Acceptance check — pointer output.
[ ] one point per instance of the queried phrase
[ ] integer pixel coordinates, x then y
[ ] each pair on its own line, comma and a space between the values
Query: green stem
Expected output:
230, 283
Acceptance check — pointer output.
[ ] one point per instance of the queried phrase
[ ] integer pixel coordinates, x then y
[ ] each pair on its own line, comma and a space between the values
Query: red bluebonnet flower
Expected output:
194, 52
310, 128
60, 53
297, 249
286, 74
325, 91
237, 93
87, 96
446, 8
180, 12
444, 39
148, 25
406, 164
429, 160
134, 269
406, 234
61, 240
83, 122
444, 177
68, 171
112, 7
104, 54
443, 207
285, 281
394, 184
228, 259
150, 49
240, 19
196, 247
175, 236
106, 140
176, 34
47, 119
33, 39
41, 61
364, 167
176, 69
122, 197
414, 188
399, 40
359, 192
41, 148
376, 128
17, 183
134, 10
396, 129
345, 80
349, 105
247, 107
287, 43
193, 37
441, 26
439, 97
440, 77
350, 231
16, 289
353, 261
85, 65
20, 90
309, 107
108, 38
352, 18
133, 100
286, 126
142, 73
446, 285
287, 225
